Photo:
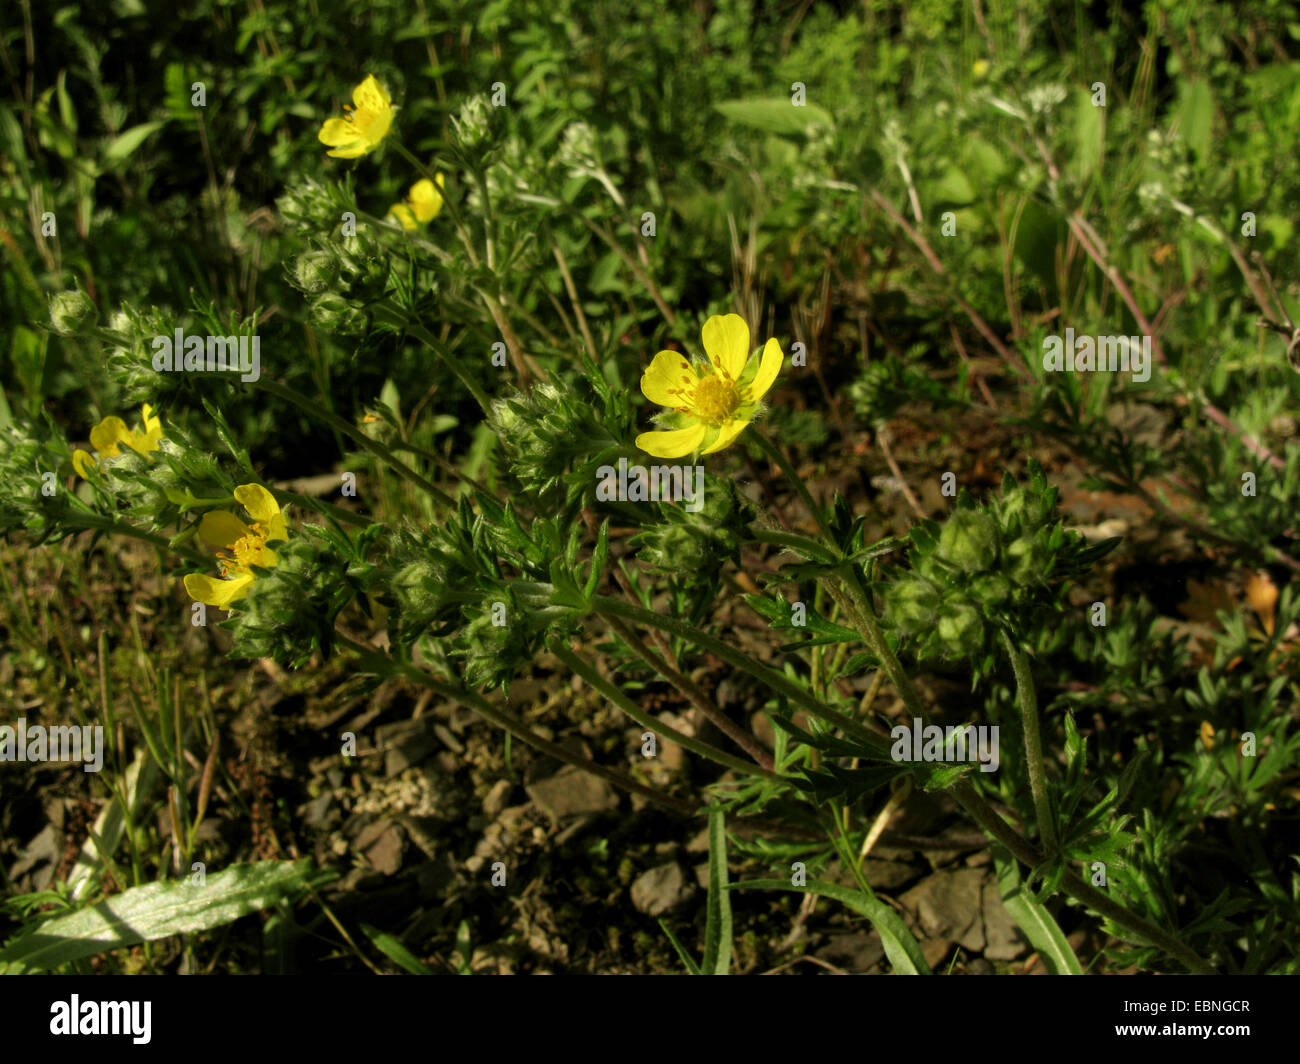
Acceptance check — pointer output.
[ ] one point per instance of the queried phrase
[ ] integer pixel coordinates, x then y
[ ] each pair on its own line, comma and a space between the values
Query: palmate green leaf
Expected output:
901, 946
1036, 922
156, 910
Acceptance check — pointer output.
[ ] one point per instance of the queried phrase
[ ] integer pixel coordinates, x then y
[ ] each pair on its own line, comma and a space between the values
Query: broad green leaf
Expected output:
156, 910
1088, 139
1196, 115
777, 115
121, 146
901, 947
1035, 921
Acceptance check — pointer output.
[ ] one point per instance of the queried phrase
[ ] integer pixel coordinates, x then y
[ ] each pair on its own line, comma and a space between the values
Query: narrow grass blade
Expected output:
691, 967
391, 948
110, 826
901, 947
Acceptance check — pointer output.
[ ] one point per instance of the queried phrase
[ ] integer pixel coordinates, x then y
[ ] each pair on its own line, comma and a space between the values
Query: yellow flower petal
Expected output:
767, 369
83, 464
263, 557
263, 508
425, 199
401, 213
219, 593
259, 502
105, 436
148, 440
670, 370
673, 444
373, 125
339, 131
371, 95
726, 435
221, 529
726, 342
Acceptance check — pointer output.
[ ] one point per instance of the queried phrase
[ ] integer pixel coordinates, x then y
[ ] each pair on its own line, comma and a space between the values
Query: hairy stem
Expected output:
620, 699
1033, 743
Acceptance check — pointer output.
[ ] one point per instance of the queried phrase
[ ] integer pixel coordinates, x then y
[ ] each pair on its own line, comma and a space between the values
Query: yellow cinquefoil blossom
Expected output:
711, 405
111, 432
364, 126
423, 203
240, 546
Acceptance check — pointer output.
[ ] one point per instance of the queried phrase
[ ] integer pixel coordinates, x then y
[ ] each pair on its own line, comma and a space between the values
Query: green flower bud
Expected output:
1030, 508
289, 611
688, 542
991, 589
577, 150
911, 604
933, 570
314, 207
337, 314
969, 541
471, 125
33, 500
71, 313
130, 364
315, 271
1027, 560
960, 629
549, 435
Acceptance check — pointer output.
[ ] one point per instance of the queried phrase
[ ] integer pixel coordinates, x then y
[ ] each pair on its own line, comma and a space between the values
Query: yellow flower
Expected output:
363, 127
111, 432
240, 546
980, 67
711, 405
423, 204
402, 214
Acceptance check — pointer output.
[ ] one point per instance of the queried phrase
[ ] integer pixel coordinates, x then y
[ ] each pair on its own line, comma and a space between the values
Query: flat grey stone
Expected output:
659, 889
572, 792
948, 905
404, 744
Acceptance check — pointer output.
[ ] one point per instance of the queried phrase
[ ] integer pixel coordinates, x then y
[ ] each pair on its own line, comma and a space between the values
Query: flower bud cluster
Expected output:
986, 567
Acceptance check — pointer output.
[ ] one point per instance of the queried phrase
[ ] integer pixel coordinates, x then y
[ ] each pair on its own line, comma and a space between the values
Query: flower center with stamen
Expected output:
715, 400
244, 550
